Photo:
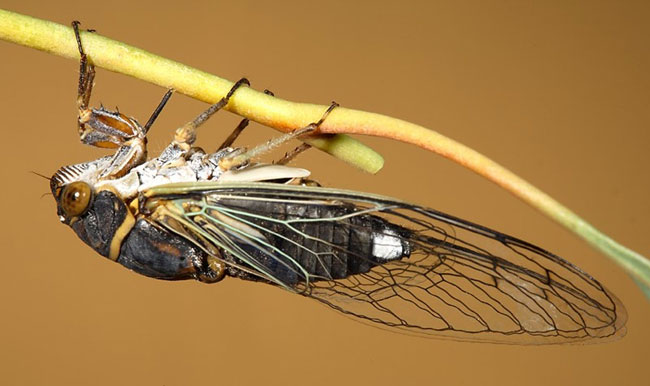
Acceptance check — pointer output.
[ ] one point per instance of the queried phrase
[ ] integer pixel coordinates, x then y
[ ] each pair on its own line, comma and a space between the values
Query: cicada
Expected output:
192, 214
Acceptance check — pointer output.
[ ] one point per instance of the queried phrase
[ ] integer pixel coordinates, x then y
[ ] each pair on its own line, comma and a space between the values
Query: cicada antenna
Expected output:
40, 175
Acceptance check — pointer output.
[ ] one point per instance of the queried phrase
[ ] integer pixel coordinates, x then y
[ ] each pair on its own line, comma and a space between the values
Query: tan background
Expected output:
558, 93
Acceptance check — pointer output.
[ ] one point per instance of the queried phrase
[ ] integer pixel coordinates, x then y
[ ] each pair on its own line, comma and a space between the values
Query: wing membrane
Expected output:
460, 281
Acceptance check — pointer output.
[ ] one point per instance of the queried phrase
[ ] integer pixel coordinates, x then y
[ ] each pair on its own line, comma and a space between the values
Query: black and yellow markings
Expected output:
123, 230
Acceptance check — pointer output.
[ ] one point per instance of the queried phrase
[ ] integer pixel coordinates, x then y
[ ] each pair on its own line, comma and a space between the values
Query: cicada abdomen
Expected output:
307, 241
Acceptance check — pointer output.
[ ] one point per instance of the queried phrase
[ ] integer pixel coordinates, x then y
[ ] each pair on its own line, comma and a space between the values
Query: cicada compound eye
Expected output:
75, 198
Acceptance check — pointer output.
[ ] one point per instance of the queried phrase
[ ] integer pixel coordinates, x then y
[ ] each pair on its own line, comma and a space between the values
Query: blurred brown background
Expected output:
558, 93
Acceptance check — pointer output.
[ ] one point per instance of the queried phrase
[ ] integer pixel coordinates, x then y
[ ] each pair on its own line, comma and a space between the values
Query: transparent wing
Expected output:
452, 278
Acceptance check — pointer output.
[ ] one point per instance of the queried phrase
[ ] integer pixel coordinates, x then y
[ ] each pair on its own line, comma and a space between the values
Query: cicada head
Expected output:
95, 216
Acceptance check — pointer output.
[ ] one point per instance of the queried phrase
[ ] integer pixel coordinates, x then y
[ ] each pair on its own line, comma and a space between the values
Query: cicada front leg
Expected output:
86, 78
99, 127
109, 129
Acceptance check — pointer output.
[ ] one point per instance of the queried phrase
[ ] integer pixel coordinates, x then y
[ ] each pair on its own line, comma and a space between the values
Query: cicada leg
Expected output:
158, 109
237, 131
109, 129
86, 78
243, 156
131, 150
186, 135
290, 155
214, 270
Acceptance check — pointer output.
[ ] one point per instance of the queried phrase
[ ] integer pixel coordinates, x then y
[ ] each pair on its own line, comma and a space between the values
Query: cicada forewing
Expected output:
391, 263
